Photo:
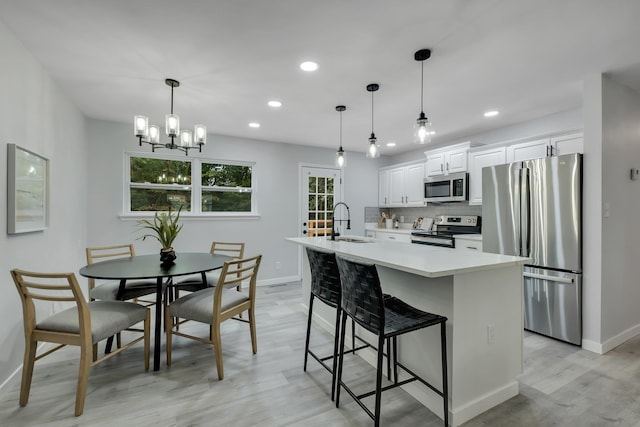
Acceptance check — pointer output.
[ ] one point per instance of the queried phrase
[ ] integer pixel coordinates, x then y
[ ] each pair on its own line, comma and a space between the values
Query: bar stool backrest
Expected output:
362, 297
325, 278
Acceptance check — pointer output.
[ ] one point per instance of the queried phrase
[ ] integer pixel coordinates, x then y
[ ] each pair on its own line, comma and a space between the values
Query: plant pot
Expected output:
167, 256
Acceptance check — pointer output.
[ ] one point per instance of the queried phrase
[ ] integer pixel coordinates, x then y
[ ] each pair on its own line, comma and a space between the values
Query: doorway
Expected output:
321, 188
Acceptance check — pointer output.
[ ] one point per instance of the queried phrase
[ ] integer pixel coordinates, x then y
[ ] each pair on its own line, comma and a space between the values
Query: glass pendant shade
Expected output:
200, 134
154, 134
374, 148
341, 158
141, 126
186, 138
172, 125
422, 130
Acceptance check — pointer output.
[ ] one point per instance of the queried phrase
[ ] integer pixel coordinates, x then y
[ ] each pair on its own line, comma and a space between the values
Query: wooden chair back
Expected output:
232, 275
233, 249
104, 253
54, 287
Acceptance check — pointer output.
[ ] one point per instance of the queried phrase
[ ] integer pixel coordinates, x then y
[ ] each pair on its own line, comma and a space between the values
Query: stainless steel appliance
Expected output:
447, 188
444, 229
533, 209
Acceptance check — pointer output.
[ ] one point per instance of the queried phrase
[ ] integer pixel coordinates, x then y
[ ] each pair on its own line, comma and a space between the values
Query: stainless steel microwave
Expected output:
447, 188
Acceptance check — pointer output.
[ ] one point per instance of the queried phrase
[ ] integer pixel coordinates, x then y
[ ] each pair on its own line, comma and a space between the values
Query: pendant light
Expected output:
341, 157
374, 148
422, 127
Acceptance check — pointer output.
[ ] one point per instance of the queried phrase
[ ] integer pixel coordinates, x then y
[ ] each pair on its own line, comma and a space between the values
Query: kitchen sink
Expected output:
353, 239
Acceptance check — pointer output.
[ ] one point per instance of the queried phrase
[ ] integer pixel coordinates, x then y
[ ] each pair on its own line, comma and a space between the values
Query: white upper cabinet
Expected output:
528, 150
448, 160
568, 144
547, 147
477, 161
401, 185
414, 185
383, 187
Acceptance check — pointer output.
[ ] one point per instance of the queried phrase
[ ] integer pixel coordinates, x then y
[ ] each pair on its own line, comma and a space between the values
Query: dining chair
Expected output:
134, 289
84, 325
214, 305
197, 282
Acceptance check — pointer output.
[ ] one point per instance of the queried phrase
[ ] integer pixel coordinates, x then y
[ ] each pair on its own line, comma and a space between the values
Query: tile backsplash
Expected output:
373, 214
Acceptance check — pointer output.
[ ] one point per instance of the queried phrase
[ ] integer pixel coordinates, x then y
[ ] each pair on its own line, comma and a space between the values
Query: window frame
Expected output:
196, 187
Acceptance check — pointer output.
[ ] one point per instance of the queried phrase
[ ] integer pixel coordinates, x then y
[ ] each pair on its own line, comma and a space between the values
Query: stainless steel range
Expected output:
444, 229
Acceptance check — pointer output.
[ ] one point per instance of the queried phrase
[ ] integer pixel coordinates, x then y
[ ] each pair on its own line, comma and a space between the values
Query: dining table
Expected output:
149, 267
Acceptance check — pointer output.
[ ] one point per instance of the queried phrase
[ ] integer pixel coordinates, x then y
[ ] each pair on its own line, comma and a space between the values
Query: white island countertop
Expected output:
422, 260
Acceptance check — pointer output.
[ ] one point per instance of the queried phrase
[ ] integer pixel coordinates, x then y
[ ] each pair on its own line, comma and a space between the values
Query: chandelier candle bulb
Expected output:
172, 125
141, 126
186, 138
200, 134
154, 134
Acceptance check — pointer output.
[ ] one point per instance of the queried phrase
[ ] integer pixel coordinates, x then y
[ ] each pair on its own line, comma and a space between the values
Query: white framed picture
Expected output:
27, 191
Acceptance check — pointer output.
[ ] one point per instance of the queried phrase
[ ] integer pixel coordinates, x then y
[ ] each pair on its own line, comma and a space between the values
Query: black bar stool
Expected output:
387, 317
325, 285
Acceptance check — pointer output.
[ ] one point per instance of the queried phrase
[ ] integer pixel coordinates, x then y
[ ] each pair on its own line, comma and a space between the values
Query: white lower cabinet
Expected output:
394, 237
468, 244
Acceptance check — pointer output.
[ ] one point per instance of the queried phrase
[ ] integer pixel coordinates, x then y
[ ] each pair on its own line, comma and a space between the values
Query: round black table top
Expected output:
149, 266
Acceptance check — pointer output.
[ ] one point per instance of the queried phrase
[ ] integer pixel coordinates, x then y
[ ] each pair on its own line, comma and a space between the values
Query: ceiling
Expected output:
524, 58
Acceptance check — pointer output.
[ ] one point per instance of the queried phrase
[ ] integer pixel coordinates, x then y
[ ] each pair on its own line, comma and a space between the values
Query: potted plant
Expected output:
165, 229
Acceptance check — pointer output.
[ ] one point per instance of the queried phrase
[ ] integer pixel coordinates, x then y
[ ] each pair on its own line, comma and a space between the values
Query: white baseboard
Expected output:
278, 280
40, 349
611, 343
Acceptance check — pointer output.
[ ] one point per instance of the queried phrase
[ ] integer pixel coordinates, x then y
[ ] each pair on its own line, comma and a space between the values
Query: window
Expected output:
197, 186
226, 187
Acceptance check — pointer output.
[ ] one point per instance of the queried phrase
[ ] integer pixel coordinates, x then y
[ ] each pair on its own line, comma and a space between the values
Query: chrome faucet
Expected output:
334, 220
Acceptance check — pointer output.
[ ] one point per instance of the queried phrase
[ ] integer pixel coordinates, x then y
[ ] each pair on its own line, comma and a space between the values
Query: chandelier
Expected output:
150, 134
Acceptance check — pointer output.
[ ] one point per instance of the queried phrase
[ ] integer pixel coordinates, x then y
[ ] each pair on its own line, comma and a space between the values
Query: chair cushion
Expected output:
132, 289
198, 305
193, 282
107, 318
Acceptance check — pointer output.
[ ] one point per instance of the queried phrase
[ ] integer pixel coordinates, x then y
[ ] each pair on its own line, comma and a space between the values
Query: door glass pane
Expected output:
312, 184
321, 185
330, 185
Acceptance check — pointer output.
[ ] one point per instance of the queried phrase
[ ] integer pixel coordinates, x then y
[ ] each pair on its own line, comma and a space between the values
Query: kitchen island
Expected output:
480, 294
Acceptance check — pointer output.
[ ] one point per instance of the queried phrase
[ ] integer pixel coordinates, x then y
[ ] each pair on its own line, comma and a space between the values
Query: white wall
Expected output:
620, 235
35, 115
592, 215
277, 168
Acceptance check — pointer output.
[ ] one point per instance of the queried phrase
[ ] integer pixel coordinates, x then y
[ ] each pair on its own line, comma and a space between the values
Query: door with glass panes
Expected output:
321, 189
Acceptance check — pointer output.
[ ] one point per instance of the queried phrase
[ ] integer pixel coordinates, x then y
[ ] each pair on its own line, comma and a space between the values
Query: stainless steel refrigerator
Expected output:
534, 209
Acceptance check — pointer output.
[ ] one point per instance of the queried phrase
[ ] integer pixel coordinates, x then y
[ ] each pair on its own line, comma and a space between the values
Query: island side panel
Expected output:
420, 350
487, 340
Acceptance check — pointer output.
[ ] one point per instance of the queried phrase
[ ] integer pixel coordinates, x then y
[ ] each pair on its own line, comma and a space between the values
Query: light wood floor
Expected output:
562, 385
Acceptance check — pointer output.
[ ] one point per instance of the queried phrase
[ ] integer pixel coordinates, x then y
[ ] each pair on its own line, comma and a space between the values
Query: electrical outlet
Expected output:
491, 333
278, 265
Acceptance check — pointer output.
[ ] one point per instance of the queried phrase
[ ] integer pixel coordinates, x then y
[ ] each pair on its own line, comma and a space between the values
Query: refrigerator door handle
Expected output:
525, 213
556, 279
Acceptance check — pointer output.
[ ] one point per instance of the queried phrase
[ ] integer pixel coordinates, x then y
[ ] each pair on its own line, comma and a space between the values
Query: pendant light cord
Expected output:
422, 86
171, 99
372, 112
340, 130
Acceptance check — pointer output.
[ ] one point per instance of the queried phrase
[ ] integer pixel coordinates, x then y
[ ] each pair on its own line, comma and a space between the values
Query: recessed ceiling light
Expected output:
491, 113
391, 144
254, 125
274, 104
309, 66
